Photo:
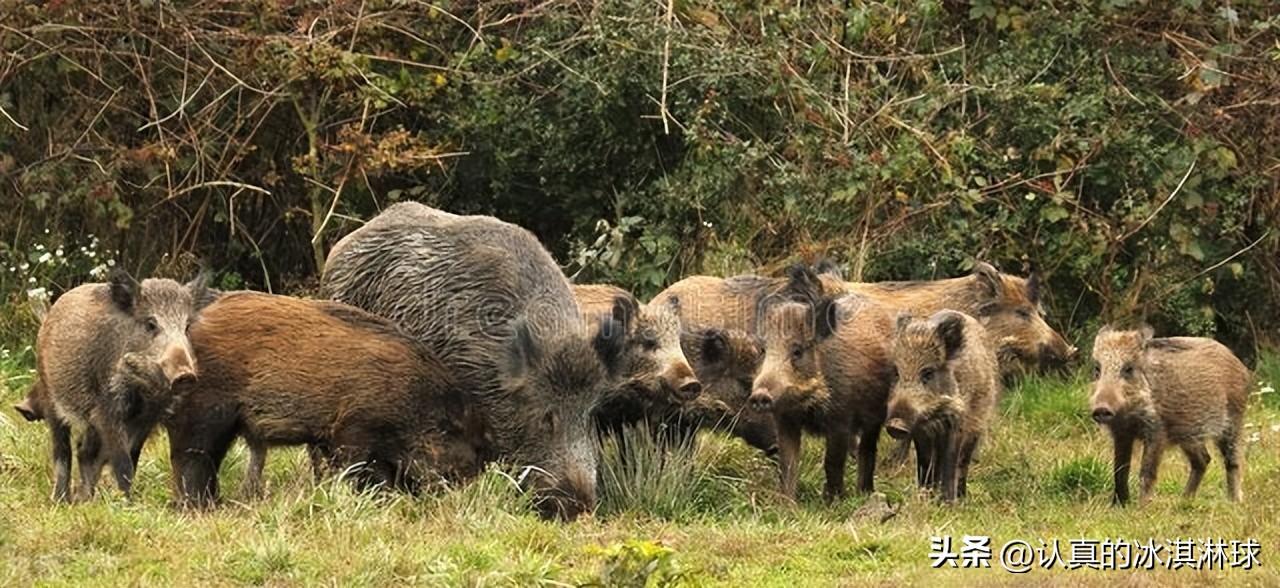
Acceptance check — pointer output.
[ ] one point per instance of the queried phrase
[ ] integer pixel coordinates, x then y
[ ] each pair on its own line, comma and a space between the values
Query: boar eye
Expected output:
549, 420
1097, 371
926, 375
1024, 314
151, 325
797, 352
1127, 371
649, 343
893, 375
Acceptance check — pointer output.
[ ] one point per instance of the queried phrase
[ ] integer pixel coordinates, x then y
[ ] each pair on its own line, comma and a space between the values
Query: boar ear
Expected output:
1147, 333
523, 349
624, 311
826, 317
1033, 287
714, 346
201, 295
609, 342
123, 289
949, 325
802, 284
900, 325
673, 303
828, 266
989, 279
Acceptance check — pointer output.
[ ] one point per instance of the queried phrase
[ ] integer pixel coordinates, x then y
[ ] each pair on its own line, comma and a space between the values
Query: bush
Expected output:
1126, 149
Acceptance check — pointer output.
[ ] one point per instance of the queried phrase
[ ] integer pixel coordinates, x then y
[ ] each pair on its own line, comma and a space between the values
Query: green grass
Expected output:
705, 515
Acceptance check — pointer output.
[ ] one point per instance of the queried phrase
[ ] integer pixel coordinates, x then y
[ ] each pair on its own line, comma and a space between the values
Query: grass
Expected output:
704, 515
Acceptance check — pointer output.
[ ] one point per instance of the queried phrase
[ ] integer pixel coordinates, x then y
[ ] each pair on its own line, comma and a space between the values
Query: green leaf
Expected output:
1053, 213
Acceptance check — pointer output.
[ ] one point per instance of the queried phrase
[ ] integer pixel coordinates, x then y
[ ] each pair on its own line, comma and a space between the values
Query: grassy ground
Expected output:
710, 518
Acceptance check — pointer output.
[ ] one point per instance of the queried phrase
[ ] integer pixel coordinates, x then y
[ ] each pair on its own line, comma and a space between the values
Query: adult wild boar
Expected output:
285, 371
1176, 390
653, 365
487, 299
943, 395
1008, 307
108, 356
726, 362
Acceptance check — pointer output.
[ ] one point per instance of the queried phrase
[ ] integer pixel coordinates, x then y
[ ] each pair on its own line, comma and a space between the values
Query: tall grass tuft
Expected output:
644, 472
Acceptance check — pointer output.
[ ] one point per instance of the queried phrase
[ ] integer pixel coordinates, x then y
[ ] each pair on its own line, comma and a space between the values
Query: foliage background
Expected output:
1128, 149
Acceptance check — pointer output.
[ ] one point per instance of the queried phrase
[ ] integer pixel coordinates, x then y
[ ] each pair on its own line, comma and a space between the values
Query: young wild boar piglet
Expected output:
108, 356
286, 371
826, 370
943, 396
1175, 390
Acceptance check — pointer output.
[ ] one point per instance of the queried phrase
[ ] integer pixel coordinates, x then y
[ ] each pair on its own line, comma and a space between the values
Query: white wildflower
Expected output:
44, 258
1255, 437
59, 253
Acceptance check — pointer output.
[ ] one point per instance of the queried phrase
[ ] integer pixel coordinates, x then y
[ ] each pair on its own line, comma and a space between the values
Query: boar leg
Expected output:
252, 484
60, 435
833, 463
1229, 446
788, 457
90, 459
925, 469
1152, 451
950, 457
867, 458
1199, 459
970, 443
1123, 444
195, 457
118, 452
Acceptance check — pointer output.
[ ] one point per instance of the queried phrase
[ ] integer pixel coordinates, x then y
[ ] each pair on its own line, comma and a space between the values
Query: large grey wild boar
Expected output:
1177, 390
943, 396
107, 357
487, 299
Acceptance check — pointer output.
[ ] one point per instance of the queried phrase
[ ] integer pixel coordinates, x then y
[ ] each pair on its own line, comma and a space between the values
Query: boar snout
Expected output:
761, 400
178, 364
567, 498
1103, 415
897, 428
28, 410
681, 379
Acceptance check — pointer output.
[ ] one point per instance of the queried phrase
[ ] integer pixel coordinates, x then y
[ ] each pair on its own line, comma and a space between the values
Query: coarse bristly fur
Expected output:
825, 371
488, 299
945, 387
1008, 306
285, 371
1179, 390
107, 358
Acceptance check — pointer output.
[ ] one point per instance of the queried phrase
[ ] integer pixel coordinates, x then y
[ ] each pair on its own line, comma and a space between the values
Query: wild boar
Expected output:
943, 396
108, 356
487, 299
826, 370
286, 371
1175, 390
725, 362
1007, 306
653, 364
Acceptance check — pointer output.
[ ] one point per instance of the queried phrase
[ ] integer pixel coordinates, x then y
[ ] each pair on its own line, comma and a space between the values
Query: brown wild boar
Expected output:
725, 362
492, 304
286, 371
826, 370
1176, 390
108, 356
944, 394
1007, 306
652, 363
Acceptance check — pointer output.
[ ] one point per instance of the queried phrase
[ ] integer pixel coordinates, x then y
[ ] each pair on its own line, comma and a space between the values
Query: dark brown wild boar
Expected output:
726, 362
652, 364
286, 371
1007, 306
826, 370
492, 304
944, 394
107, 356
1177, 390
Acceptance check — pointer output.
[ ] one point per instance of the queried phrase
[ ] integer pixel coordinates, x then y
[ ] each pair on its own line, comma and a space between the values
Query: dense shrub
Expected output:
1128, 149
